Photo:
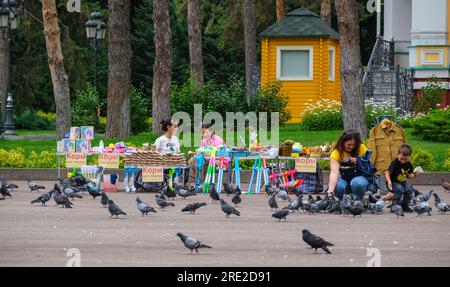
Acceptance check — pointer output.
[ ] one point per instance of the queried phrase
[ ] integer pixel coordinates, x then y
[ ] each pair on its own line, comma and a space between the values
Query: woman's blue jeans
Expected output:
358, 186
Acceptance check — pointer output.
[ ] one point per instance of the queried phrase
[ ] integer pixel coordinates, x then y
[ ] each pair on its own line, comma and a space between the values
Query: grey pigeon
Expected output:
270, 190
334, 206
43, 198
294, 205
397, 210
281, 214
356, 209
426, 197
282, 194
104, 200
4, 191
191, 243
144, 207
61, 199
93, 191
170, 193
237, 198
33, 186
192, 207
161, 201
440, 205
376, 208
345, 204
273, 202
184, 192
114, 209
315, 241
70, 192
228, 209
214, 194
421, 209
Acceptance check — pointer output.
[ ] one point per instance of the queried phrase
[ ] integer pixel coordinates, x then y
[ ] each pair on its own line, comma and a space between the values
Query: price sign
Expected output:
75, 160
152, 174
109, 160
307, 165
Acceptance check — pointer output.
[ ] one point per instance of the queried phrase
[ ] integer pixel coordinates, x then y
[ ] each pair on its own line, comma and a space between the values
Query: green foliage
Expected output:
14, 158
447, 161
324, 164
430, 96
30, 120
271, 99
85, 106
139, 110
373, 112
423, 158
434, 126
407, 121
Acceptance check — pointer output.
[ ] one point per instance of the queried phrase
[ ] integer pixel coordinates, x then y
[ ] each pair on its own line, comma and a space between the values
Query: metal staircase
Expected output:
384, 81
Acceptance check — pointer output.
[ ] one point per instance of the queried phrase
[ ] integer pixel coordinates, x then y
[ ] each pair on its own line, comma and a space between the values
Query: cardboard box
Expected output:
87, 133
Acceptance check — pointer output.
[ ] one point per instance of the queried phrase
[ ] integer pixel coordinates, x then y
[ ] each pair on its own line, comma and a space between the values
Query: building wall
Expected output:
302, 92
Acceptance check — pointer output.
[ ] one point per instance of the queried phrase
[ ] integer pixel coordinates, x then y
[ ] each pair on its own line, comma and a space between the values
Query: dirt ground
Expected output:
31, 235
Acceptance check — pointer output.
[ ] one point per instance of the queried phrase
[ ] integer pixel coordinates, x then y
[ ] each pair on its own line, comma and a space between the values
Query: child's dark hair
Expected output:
166, 124
346, 136
405, 150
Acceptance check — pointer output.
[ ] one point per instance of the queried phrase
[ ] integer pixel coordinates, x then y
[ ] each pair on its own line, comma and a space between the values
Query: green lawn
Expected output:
286, 132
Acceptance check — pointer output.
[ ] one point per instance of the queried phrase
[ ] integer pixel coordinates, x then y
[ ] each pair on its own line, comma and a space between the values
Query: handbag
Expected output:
348, 172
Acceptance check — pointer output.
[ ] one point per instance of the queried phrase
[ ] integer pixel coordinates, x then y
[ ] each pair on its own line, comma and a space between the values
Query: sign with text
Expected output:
152, 174
75, 159
109, 160
308, 165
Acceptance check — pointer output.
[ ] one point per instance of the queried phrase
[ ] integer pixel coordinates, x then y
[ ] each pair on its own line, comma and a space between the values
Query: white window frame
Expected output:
432, 51
333, 63
310, 49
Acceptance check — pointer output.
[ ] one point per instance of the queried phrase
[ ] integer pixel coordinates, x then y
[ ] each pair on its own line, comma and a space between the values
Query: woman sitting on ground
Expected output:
342, 159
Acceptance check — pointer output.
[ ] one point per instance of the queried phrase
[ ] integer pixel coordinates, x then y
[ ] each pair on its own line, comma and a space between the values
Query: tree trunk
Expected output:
195, 41
4, 61
162, 68
351, 68
280, 10
56, 64
325, 12
118, 124
250, 46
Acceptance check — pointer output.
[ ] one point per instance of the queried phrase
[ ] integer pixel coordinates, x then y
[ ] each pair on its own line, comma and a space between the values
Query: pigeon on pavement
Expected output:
161, 201
228, 209
33, 186
143, 207
237, 198
104, 200
192, 207
214, 194
114, 209
191, 243
356, 209
397, 210
43, 198
184, 192
273, 202
228, 188
281, 214
315, 241
446, 185
442, 206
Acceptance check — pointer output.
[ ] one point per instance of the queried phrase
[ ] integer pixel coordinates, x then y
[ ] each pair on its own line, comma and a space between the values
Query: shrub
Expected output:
324, 164
408, 120
140, 107
430, 95
271, 99
434, 126
29, 120
14, 158
423, 158
85, 107
373, 112
324, 115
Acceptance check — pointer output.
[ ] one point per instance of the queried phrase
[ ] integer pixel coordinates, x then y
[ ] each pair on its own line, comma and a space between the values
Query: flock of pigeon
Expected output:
65, 191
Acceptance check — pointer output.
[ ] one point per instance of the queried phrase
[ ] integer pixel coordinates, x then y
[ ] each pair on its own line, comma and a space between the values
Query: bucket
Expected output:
108, 186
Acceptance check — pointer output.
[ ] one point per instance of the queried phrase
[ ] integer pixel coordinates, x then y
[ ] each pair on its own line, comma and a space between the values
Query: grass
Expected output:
286, 132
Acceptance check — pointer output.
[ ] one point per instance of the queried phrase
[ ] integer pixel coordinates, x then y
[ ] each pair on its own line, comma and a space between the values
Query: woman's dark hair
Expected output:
206, 126
346, 136
166, 124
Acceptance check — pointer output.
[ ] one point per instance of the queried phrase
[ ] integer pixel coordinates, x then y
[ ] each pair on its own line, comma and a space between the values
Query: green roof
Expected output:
300, 23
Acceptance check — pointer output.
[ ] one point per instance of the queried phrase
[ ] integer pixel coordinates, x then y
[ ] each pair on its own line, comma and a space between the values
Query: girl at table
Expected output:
167, 143
209, 138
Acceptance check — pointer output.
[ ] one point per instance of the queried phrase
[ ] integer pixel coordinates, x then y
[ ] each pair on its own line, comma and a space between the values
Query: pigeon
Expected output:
442, 206
184, 192
397, 209
170, 192
270, 190
43, 198
445, 185
114, 209
214, 194
93, 191
282, 194
228, 188
144, 207
4, 191
70, 192
323, 203
345, 204
104, 200
8, 185
33, 186
334, 206
192, 207
191, 243
311, 199
161, 201
228, 209
315, 241
61, 199
294, 205
426, 197
281, 214
273, 202
376, 208
356, 208
420, 209
372, 199
237, 198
